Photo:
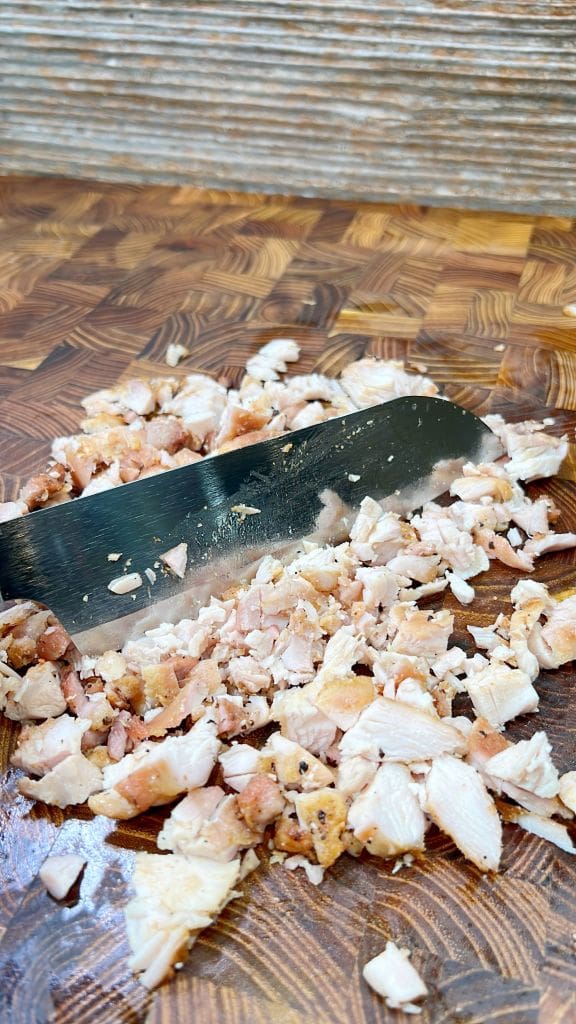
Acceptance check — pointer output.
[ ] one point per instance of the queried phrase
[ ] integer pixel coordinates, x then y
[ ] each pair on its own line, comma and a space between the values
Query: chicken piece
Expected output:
421, 633
248, 675
545, 828
324, 566
270, 360
199, 403
533, 516
499, 547
157, 772
238, 716
527, 764
42, 487
372, 381
354, 774
175, 898
342, 700
207, 824
423, 568
291, 837
41, 748
376, 536
459, 803
59, 873
386, 817
480, 482
323, 813
555, 643
238, 421
483, 744
53, 643
441, 535
314, 873
204, 682
532, 453
160, 684
567, 790
71, 782
500, 693
135, 396
301, 721
392, 976
117, 741
260, 802
34, 695
239, 763
176, 559
165, 432
295, 767
462, 590
393, 731
12, 510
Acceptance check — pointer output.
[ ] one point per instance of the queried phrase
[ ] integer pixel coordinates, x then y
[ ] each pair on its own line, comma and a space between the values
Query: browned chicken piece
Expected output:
260, 802
323, 813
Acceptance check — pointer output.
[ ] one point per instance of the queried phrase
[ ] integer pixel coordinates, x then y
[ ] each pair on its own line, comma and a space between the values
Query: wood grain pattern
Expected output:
100, 279
444, 100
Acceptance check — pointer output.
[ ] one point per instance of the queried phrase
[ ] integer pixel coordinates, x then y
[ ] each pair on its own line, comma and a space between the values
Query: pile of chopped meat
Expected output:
312, 707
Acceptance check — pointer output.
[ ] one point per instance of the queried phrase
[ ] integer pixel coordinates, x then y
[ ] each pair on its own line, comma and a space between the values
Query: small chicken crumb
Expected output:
176, 559
58, 874
392, 976
114, 556
85, 598
124, 584
570, 310
353, 477
499, 348
174, 353
150, 575
287, 448
245, 510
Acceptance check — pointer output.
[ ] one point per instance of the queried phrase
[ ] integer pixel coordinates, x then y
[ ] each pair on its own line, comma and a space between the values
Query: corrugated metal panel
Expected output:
463, 100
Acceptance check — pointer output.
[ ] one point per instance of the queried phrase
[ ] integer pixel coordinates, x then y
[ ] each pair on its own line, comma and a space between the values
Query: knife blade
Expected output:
306, 484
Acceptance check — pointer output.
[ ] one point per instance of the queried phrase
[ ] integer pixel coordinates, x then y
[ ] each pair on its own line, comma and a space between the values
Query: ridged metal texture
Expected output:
433, 99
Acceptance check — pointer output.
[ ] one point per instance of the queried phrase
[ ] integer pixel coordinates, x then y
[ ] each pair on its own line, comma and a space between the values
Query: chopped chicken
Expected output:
270, 361
294, 766
459, 803
500, 693
386, 817
392, 976
73, 781
323, 813
370, 381
537, 825
59, 873
37, 694
527, 764
157, 772
567, 790
329, 643
175, 898
394, 731
41, 748
176, 559
207, 823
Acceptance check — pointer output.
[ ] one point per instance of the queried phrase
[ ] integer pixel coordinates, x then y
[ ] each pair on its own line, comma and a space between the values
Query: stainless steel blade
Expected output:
307, 483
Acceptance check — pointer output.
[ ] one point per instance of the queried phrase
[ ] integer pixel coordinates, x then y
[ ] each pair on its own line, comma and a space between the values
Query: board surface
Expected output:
465, 102
95, 281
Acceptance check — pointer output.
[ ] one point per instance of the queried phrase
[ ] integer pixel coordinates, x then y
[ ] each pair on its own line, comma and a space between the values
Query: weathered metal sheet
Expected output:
441, 100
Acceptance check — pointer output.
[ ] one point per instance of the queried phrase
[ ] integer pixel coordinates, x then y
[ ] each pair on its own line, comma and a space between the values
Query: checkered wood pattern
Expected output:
95, 282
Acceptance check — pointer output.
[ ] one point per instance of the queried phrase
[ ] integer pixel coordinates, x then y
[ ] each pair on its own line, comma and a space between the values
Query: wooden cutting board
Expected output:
95, 281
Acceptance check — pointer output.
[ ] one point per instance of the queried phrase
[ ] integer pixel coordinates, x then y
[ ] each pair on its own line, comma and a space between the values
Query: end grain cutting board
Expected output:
95, 281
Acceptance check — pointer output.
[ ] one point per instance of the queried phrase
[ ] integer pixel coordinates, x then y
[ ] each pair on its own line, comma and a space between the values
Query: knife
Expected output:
304, 485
